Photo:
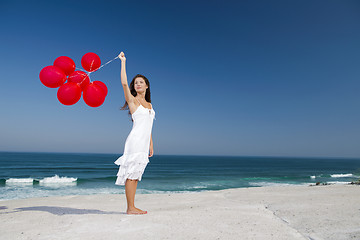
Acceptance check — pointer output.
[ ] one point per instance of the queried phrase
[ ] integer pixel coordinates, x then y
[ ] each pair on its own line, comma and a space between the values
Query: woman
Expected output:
139, 144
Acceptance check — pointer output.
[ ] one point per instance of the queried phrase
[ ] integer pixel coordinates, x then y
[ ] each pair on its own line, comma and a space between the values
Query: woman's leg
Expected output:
130, 190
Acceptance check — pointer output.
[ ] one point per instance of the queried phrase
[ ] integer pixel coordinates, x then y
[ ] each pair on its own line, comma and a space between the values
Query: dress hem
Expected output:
132, 166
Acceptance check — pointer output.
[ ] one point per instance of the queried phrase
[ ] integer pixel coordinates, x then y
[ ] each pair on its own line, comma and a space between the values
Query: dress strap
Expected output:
138, 101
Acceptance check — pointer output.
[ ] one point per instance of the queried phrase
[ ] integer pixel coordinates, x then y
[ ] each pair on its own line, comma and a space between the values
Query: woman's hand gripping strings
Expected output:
122, 57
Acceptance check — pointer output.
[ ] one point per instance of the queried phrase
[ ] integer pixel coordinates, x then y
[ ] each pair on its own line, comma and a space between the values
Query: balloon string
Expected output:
107, 63
88, 73
80, 69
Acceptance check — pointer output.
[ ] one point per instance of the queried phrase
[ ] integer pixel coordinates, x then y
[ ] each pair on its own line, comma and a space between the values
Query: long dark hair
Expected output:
134, 93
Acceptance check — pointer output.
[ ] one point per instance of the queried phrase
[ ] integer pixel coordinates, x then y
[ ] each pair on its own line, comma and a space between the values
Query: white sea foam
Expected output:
204, 185
144, 191
270, 184
20, 181
47, 192
312, 177
338, 182
56, 180
341, 175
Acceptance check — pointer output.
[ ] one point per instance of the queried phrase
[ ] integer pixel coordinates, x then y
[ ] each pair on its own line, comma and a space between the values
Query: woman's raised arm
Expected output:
128, 96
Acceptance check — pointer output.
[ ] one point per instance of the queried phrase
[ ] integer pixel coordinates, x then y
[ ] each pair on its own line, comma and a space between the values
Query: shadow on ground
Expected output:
62, 210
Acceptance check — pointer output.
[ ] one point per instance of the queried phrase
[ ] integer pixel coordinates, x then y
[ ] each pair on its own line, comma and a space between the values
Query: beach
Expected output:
281, 212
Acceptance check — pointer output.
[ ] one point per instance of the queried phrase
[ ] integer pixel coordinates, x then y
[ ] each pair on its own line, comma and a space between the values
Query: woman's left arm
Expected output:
151, 150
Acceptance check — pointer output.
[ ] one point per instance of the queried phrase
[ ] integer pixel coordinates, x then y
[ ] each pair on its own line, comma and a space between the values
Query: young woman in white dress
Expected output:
139, 144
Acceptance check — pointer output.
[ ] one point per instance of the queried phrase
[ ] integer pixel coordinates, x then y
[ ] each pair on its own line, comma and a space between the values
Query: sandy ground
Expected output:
291, 212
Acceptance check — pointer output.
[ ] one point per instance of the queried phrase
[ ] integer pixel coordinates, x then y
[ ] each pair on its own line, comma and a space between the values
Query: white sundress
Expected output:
136, 152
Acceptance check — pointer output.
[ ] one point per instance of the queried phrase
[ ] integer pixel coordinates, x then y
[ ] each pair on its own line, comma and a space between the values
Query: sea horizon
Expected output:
196, 155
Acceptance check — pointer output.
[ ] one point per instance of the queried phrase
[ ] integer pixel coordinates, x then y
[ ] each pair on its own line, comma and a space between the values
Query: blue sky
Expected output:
246, 78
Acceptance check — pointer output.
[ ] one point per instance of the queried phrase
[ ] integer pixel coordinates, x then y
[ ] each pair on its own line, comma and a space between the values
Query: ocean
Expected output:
27, 175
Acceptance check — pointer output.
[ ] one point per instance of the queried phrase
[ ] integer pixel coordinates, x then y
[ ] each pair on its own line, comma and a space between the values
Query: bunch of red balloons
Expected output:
72, 83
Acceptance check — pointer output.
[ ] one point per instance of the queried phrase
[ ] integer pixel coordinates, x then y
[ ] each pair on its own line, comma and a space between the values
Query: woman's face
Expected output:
140, 84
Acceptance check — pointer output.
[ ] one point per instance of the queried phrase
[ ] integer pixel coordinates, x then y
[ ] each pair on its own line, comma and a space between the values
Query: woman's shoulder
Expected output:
148, 102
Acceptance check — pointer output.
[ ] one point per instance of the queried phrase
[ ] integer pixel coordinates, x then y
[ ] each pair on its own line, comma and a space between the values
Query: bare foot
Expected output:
135, 211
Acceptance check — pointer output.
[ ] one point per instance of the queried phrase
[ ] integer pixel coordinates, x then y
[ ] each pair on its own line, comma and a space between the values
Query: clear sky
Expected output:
246, 78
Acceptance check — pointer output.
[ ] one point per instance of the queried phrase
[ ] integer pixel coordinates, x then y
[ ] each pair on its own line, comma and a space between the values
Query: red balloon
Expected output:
66, 64
79, 77
69, 93
103, 86
52, 76
94, 95
90, 62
